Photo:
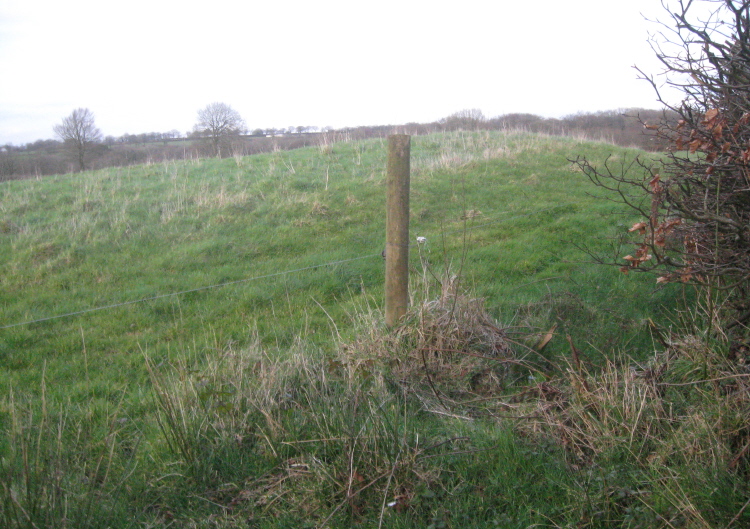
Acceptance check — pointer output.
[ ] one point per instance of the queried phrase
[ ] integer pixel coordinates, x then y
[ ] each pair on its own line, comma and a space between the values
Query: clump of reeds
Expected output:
61, 469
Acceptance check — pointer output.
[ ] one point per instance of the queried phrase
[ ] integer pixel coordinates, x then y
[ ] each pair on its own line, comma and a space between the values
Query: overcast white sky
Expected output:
150, 65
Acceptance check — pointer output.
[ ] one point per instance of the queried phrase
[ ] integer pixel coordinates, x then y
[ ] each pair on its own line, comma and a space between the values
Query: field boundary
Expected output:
265, 276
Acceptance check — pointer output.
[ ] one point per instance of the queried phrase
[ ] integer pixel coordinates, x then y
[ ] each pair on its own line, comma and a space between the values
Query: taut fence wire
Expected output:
265, 276
171, 294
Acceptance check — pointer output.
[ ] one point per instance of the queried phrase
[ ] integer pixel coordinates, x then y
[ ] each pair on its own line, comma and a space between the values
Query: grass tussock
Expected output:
65, 469
661, 443
264, 437
448, 351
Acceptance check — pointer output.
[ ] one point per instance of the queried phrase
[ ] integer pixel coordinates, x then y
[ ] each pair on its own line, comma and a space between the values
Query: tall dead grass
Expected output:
265, 435
448, 351
680, 421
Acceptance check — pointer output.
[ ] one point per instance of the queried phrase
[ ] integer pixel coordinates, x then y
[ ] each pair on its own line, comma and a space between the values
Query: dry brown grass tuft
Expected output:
591, 414
679, 422
689, 405
448, 350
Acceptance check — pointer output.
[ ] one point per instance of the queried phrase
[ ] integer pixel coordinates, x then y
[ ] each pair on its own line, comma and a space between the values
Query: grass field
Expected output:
201, 344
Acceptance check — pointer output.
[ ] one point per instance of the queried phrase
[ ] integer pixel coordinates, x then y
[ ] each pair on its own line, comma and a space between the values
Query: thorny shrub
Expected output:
693, 202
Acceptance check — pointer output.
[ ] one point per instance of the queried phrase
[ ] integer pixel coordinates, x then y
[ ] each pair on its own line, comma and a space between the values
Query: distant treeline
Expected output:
46, 157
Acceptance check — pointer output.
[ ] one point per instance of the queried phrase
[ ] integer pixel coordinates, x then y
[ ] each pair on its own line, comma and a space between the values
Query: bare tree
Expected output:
219, 122
695, 203
79, 133
467, 119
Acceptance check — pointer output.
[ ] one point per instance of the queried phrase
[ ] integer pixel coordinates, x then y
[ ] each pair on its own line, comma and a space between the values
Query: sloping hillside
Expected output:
502, 209
202, 344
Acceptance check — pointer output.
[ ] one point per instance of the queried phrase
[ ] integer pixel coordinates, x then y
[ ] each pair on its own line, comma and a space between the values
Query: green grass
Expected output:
77, 242
239, 405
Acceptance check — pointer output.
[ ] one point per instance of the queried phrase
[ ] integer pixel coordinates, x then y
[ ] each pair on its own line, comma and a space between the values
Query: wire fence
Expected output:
420, 239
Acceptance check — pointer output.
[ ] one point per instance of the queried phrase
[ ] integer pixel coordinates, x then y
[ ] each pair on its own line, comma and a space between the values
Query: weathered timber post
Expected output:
397, 228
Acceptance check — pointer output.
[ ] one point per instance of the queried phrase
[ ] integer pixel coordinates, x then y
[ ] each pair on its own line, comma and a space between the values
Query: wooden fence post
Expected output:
397, 228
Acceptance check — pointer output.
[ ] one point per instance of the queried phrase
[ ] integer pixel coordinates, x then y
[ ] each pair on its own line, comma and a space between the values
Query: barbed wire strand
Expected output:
161, 296
256, 278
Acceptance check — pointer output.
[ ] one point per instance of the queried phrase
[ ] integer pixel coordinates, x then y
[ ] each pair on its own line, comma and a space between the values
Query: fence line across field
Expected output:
397, 243
266, 276
161, 296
